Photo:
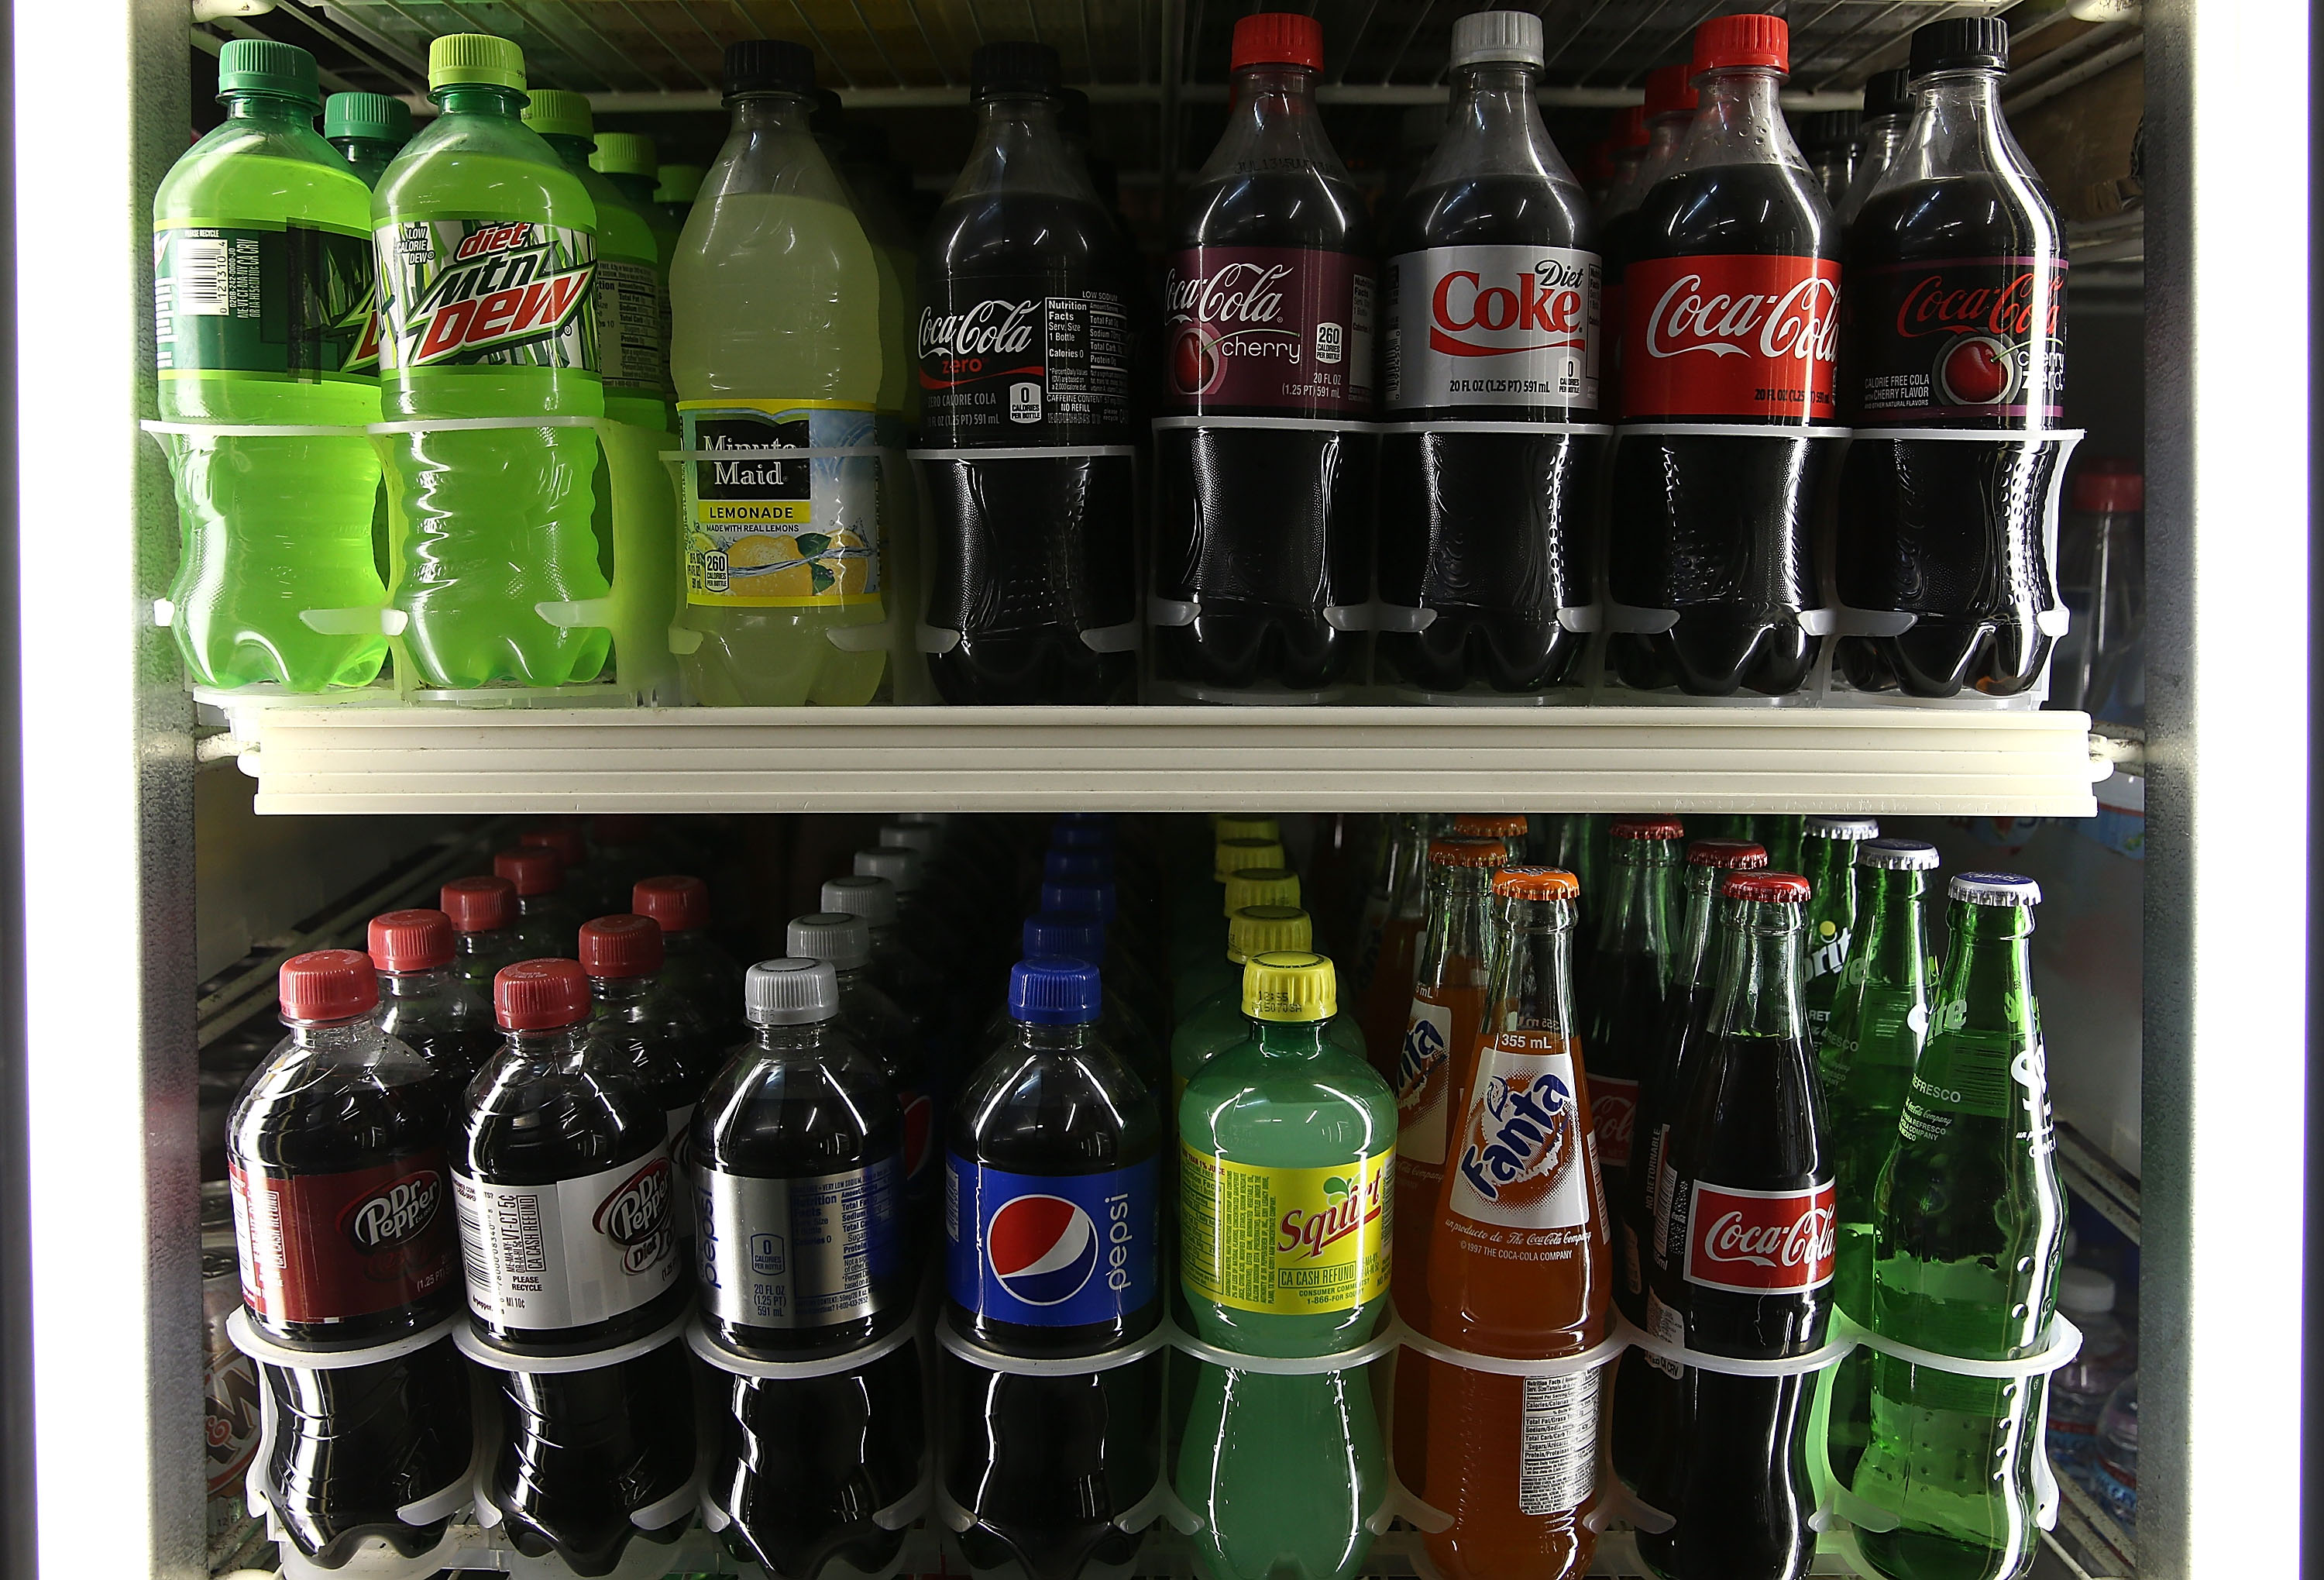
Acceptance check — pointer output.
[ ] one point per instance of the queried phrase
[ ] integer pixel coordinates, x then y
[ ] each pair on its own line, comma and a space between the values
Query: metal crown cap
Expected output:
1727, 855
1995, 888
790, 993
326, 984
459, 58
1841, 828
1268, 929
858, 894
1467, 852
268, 66
1048, 991
1261, 886
1484, 36
829, 935
411, 940
1064, 935
1290, 986
1536, 883
899, 866
1764, 888
1646, 828
1491, 825
1897, 856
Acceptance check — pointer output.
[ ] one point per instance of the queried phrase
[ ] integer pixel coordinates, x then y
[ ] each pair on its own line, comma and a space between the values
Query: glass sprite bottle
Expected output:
1828, 851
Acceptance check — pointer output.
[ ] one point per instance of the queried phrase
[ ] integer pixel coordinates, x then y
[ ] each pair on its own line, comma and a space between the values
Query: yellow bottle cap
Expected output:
1290, 986
1235, 855
1268, 929
1261, 886
1246, 826
474, 56
1489, 825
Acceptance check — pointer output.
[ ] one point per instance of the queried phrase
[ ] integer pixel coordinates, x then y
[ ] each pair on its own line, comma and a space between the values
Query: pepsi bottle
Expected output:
1052, 1239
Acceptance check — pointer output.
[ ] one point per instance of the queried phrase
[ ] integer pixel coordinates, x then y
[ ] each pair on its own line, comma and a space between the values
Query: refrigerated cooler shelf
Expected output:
1879, 761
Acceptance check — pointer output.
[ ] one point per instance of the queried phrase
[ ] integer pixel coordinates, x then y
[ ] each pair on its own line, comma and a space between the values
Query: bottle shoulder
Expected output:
1774, 209
1023, 234
264, 171
477, 167
1329, 1100
1510, 211
1974, 216
1303, 208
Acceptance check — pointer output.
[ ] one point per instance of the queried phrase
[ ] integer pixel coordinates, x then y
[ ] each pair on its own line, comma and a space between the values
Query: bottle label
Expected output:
1521, 1162
319, 1248
1420, 1081
1050, 1250
1669, 1326
1975, 341
573, 1252
1490, 325
633, 329
1004, 362
1292, 1241
763, 531
1557, 1443
798, 1252
1731, 335
1285, 329
1614, 1114
1760, 1241
290, 300
486, 294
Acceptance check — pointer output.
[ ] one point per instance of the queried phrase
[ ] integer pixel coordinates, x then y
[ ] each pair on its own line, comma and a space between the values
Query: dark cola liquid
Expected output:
1949, 530
1622, 1011
582, 1451
802, 1466
1715, 527
355, 1444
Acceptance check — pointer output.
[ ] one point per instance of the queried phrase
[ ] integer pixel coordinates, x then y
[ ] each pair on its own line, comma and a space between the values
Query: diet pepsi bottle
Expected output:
1490, 351
1052, 1240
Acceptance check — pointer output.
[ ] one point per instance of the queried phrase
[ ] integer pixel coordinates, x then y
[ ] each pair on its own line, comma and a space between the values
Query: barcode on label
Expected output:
198, 273
1557, 1453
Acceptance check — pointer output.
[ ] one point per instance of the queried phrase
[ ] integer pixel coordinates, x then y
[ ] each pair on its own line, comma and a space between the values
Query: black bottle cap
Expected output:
769, 65
1011, 66
1889, 93
1961, 43
1072, 112
1825, 129
824, 119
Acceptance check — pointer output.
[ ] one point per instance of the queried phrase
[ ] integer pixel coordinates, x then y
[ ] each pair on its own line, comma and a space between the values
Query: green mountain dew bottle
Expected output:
262, 282
1828, 847
1221, 974
675, 186
1219, 1022
626, 159
368, 129
1286, 1173
1971, 1229
1879, 1020
487, 258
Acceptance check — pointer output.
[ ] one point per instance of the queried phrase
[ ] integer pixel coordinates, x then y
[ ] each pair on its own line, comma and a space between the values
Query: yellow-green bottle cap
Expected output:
1261, 886
555, 113
1268, 929
1246, 826
474, 56
1293, 986
1231, 856
679, 183
625, 154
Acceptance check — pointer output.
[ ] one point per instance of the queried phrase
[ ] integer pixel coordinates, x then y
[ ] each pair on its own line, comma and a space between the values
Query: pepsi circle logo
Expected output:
1042, 1249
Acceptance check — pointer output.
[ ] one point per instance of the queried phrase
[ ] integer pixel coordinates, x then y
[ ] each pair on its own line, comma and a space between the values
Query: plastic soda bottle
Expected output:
666, 1048
693, 966
1828, 855
425, 1002
1880, 1020
548, 923
368, 129
775, 345
1520, 1267
1971, 1232
487, 259
675, 186
626, 159
262, 277
1196, 985
1219, 1023
1286, 1181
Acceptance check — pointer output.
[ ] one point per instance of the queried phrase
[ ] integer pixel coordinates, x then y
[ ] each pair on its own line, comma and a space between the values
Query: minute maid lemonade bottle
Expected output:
775, 344
1285, 1179
487, 261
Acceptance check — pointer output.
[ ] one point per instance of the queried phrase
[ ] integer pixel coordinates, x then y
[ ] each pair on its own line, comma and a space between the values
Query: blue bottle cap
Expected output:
1078, 866
1067, 934
1046, 991
1081, 894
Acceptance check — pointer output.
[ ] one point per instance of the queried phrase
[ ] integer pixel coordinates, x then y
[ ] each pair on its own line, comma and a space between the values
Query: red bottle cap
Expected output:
1749, 39
534, 870
681, 904
478, 905
1489, 825
1669, 92
411, 940
2108, 487
1630, 128
1277, 38
622, 827
1646, 828
1766, 888
1468, 852
326, 984
539, 995
1728, 855
1536, 883
570, 847
620, 945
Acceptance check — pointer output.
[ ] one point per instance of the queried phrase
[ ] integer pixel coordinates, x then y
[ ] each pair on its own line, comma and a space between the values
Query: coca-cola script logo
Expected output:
1760, 1241
397, 1213
1933, 305
637, 1216
990, 328
1538, 311
1519, 1146
1800, 322
1232, 293
1613, 1116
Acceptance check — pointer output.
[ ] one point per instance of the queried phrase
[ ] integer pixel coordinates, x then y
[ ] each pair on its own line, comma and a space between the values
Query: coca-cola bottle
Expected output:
1025, 350
1490, 348
1622, 1000
1957, 360
1670, 110
1751, 1211
1887, 116
1730, 296
1263, 456
1827, 140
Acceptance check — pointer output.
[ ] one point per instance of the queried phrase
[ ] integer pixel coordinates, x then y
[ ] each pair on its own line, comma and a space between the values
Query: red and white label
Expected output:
1614, 1114
1731, 335
1760, 1241
571, 1252
1420, 1082
1492, 325
319, 1248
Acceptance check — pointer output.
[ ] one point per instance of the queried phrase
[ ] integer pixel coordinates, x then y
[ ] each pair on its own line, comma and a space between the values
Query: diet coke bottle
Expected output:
1731, 299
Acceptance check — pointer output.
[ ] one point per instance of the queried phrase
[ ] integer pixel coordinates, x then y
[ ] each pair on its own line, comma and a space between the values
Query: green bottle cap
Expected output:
265, 66
625, 153
375, 116
554, 113
474, 56
679, 183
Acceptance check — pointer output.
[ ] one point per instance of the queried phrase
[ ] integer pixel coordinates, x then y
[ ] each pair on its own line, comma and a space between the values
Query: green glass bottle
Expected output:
1828, 862
1968, 1245
1880, 1020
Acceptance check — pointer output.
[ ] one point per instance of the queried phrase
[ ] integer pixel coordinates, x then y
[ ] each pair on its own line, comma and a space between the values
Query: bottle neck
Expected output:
810, 1039
554, 1044
1495, 128
572, 151
355, 1040
1759, 972
481, 99
637, 189
273, 107
413, 984
1890, 943
1666, 135
484, 941
1990, 958
1636, 917
1957, 129
1290, 1038
1071, 1037
619, 992
1739, 121
1273, 124
1460, 918
1694, 963
1830, 874
781, 113
536, 904
1534, 988
1019, 148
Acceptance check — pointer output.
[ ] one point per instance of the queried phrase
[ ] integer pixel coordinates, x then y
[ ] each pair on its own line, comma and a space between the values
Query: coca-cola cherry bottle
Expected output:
1025, 349
1730, 297
1957, 358
1263, 458
1490, 348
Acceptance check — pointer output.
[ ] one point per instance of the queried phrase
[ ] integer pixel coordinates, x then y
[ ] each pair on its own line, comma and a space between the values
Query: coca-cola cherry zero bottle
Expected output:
1262, 534
1731, 296
1025, 346
1490, 347
1957, 271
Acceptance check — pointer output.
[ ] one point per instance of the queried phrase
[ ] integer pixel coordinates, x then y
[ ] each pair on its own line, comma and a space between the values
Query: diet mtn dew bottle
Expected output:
262, 283
368, 129
775, 346
633, 331
487, 260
